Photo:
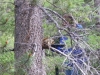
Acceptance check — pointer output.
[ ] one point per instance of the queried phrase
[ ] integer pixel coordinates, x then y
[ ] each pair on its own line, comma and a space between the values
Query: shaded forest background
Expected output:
86, 12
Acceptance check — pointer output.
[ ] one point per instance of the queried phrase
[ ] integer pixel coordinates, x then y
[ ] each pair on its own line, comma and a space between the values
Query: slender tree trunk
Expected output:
28, 38
97, 5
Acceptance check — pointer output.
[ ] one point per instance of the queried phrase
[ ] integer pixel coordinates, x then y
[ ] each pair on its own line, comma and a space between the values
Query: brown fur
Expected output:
47, 42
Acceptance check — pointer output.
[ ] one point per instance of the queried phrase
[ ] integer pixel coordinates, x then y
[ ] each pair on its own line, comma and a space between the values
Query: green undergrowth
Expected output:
52, 62
94, 41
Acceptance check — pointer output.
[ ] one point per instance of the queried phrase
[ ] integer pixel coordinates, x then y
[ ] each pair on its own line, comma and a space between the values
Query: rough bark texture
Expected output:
28, 38
97, 5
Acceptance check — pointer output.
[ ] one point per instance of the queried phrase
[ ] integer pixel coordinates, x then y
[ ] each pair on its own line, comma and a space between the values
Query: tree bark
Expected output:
97, 5
28, 38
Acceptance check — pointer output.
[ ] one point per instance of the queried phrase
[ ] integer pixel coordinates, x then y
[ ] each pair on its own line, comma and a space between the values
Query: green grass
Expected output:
6, 58
94, 41
7, 63
53, 61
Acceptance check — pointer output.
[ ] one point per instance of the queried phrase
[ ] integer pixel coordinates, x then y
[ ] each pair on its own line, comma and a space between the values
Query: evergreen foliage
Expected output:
83, 11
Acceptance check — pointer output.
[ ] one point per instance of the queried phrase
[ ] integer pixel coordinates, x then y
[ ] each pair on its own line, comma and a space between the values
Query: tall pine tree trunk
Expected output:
97, 6
28, 38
